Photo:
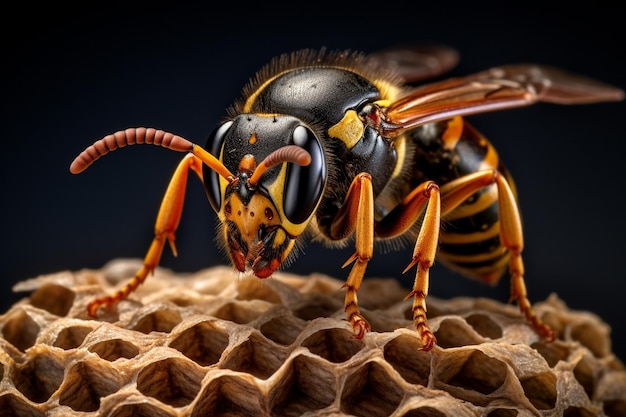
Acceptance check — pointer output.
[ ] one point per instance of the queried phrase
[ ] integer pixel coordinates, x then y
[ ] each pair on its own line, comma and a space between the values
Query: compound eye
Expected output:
304, 184
214, 146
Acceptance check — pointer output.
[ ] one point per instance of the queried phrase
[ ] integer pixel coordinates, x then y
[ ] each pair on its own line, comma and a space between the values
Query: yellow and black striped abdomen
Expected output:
470, 235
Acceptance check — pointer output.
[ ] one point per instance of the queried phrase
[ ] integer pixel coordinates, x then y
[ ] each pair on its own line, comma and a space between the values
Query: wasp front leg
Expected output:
164, 230
357, 214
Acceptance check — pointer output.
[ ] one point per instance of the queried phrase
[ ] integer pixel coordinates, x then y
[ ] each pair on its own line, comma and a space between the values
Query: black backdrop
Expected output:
73, 76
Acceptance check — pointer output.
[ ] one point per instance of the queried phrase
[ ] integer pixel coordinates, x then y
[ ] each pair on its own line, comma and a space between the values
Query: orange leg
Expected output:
455, 192
357, 213
452, 195
400, 220
164, 230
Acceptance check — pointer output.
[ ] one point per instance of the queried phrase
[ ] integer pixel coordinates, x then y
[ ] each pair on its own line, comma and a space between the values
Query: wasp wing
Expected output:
415, 63
490, 90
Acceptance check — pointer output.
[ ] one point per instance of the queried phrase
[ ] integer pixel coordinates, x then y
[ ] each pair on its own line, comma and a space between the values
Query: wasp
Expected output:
344, 147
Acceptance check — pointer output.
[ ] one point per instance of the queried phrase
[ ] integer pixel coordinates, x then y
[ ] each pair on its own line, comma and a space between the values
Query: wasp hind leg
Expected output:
513, 240
164, 230
456, 192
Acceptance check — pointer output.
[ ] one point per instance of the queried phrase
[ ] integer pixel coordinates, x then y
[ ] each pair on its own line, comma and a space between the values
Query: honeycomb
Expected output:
211, 343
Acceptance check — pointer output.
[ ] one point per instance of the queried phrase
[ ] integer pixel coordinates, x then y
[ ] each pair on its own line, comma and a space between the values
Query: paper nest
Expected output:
212, 343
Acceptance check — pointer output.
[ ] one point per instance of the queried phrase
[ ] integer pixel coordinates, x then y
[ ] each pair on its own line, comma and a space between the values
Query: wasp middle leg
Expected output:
400, 220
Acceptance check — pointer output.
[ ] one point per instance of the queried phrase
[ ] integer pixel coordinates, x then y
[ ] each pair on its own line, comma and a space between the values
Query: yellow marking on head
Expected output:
249, 218
253, 138
276, 190
279, 238
349, 130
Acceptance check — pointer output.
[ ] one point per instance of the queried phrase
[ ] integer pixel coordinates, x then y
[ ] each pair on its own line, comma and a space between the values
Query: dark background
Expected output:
73, 76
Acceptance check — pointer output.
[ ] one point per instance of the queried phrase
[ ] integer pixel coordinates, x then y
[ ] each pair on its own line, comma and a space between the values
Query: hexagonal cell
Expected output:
593, 337
71, 337
282, 329
552, 352
404, 354
585, 375
40, 376
307, 385
316, 305
578, 412
230, 395
20, 329
455, 332
503, 412
424, 412
163, 320
114, 349
334, 345
53, 298
173, 381
14, 406
256, 289
240, 312
540, 389
139, 409
256, 356
86, 383
615, 408
484, 325
370, 391
471, 370
203, 343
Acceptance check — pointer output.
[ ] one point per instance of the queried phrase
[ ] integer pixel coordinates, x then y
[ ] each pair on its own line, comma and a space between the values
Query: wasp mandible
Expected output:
339, 147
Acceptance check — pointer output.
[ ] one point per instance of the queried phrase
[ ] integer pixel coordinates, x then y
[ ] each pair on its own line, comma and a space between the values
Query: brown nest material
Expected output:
211, 344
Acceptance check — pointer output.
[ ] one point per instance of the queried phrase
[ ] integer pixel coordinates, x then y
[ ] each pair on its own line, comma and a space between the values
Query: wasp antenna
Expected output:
129, 136
212, 162
289, 153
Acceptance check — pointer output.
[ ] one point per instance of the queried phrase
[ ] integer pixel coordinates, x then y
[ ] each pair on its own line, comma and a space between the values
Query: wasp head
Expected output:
279, 174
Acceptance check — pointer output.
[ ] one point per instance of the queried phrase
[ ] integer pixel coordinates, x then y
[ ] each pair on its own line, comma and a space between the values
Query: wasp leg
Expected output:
512, 238
357, 213
457, 191
398, 221
164, 230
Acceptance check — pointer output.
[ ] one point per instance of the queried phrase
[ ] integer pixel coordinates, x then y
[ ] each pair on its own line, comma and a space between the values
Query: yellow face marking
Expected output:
249, 218
280, 238
276, 191
349, 129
